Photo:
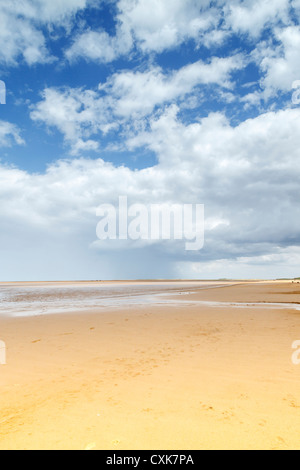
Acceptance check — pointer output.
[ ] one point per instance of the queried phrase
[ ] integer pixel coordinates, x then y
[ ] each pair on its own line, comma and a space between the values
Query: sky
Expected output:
176, 102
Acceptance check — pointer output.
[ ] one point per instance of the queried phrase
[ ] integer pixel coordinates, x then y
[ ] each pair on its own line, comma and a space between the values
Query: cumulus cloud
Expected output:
137, 93
282, 263
149, 27
247, 176
44, 10
280, 64
160, 25
21, 25
26, 41
10, 134
277, 54
78, 114
74, 112
253, 16
99, 46
245, 172
152, 26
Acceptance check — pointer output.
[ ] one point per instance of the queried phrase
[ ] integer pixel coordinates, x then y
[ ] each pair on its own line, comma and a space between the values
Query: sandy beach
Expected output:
180, 373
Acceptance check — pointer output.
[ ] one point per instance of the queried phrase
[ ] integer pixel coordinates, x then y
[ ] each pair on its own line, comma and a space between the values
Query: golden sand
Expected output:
186, 376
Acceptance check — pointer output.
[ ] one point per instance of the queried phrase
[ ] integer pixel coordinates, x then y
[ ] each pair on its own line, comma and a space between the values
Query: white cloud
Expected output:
57, 11
281, 64
153, 27
282, 263
44, 10
86, 146
137, 93
20, 27
26, 41
161, 24
9, 134
247, 176
253, 16
252, 99
78, 114
296, 6
100, 46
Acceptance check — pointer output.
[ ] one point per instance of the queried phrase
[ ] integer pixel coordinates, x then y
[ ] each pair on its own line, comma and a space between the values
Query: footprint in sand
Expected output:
207, 407
116, 442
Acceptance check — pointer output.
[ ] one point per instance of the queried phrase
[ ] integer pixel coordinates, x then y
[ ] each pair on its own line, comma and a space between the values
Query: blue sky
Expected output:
188, 101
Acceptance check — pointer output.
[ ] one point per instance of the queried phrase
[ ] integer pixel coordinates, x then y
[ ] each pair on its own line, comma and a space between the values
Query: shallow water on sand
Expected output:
30, 300
33, 300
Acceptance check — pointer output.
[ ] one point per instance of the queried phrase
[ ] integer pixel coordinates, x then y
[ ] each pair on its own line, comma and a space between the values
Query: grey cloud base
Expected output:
247, 177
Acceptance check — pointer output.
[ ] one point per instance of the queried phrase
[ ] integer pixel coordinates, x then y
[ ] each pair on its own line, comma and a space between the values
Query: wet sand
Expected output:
31, 299
156, 376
